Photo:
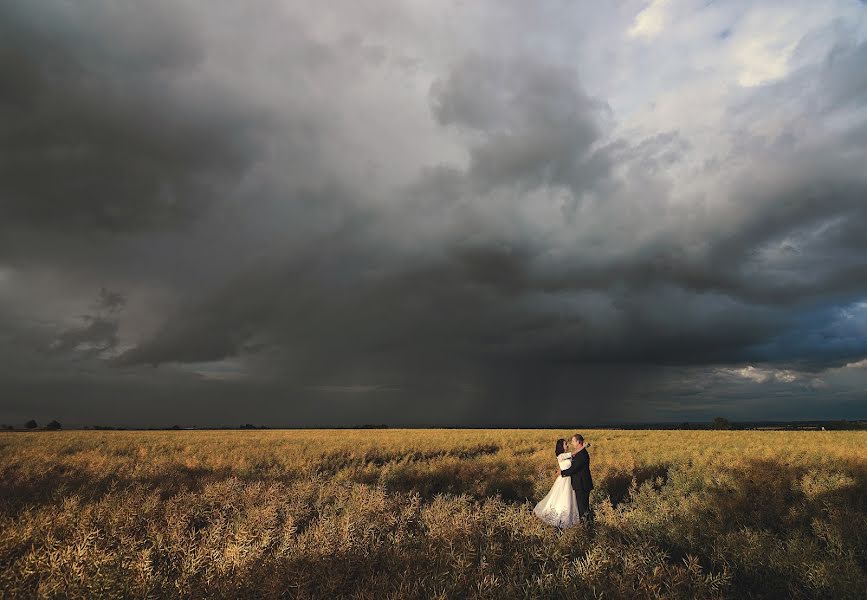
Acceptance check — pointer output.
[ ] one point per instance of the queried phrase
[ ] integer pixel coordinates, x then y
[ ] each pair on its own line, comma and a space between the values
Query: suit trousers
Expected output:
582, 497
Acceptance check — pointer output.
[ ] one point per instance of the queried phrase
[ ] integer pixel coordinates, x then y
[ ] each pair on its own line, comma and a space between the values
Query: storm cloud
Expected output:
487, 214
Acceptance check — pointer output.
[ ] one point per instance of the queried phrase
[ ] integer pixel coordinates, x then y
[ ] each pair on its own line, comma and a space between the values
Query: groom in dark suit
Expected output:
582, 482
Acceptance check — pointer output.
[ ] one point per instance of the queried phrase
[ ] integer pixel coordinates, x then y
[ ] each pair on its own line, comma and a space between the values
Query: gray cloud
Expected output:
536, 125
355, 220
103, 127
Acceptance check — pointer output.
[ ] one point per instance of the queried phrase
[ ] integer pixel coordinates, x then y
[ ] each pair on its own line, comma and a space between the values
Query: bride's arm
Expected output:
559, 456
558, 462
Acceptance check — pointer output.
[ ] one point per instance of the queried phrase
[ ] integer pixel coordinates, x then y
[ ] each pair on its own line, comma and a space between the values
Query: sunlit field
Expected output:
429, 514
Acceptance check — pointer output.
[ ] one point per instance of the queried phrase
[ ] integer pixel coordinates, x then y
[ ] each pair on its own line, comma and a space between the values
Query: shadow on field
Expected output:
63, 480
331, 463
20, 485
463, 479
618, 484
772, 518
776, 496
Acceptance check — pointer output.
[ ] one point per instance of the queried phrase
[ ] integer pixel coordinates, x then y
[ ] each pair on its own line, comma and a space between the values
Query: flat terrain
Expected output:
429, 513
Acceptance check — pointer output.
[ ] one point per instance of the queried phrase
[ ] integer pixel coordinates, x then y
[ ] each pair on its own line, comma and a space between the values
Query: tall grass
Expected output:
429, 514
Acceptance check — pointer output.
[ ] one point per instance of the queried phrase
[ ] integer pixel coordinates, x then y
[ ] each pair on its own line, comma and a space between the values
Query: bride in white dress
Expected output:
559, 507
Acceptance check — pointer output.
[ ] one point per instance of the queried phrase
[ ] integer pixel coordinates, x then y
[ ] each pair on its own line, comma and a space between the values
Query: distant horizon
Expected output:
613, 425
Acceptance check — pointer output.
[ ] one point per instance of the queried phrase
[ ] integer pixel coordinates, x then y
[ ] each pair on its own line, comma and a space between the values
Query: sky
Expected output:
465, 213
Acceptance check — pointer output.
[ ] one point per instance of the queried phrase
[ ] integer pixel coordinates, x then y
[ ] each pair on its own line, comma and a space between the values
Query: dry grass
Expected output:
429, 514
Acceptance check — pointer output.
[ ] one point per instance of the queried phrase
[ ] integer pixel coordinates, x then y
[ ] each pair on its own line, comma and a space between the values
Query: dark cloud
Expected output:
536, 125
101, 125
343, 225
99, 335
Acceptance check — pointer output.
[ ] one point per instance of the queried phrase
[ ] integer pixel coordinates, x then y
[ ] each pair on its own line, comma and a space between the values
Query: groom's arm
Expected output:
579, 461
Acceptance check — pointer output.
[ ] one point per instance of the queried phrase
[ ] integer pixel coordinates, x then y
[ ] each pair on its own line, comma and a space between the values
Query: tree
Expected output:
31, 424
53, 425
721, 423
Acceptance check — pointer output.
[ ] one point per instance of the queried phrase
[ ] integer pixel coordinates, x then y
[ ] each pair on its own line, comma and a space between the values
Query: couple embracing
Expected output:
569, 499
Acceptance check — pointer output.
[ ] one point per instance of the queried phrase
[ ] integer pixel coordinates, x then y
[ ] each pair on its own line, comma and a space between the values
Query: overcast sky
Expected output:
462, 213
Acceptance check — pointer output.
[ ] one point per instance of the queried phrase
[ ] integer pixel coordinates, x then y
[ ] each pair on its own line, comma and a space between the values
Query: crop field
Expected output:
429, 514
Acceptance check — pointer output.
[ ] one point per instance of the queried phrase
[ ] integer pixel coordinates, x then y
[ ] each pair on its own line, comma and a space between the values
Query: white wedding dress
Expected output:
559, 507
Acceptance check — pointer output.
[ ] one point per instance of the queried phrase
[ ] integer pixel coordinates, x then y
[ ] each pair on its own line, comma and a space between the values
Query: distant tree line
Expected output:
718, 423
32, 424
721, 423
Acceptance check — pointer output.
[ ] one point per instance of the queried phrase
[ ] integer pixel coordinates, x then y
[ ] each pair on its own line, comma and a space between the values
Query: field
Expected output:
429, 514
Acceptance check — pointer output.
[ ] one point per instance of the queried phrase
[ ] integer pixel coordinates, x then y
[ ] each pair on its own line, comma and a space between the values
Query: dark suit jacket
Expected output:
580, 472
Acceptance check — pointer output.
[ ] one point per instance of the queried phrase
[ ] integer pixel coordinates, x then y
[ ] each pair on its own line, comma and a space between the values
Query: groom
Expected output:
582, 483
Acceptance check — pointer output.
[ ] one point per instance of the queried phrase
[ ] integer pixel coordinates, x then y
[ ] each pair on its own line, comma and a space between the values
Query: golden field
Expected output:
429, 514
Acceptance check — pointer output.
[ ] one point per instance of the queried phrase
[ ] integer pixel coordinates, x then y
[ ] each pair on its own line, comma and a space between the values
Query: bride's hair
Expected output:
560, 448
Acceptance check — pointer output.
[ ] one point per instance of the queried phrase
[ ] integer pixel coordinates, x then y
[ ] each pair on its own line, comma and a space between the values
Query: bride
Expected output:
559, 507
